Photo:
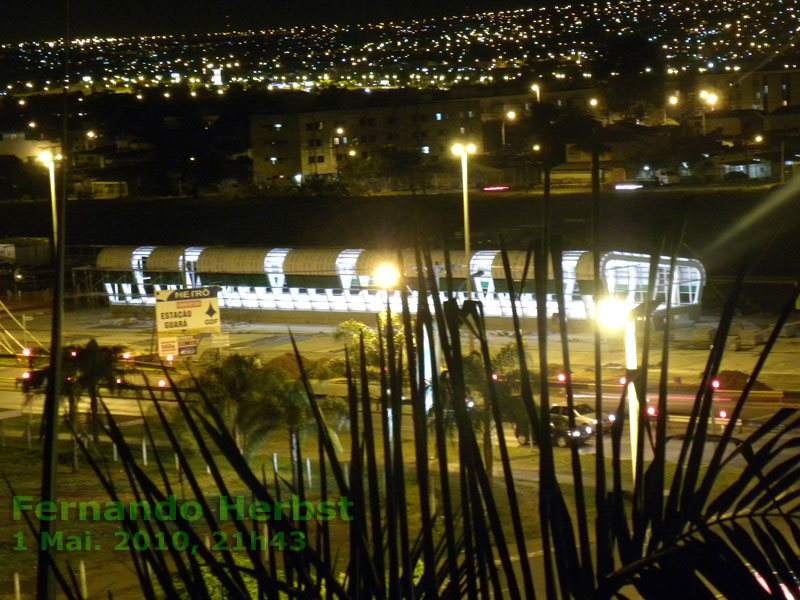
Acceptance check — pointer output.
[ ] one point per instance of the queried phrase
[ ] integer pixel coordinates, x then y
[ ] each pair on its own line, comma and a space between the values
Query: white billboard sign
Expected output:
193, 310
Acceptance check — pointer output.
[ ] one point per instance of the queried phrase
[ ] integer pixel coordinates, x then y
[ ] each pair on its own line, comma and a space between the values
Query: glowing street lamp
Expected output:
710, 98
510, 115
463, 150
671, 101
535, 90
48, 160
386, 276
593, 102
615, 315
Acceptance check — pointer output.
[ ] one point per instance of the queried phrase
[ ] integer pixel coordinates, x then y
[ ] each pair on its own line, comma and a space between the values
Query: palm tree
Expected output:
247, 397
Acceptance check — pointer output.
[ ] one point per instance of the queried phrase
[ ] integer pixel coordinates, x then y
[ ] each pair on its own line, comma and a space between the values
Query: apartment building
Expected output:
295, 146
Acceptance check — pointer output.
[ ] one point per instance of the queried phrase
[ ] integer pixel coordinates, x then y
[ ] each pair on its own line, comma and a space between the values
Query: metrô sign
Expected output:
192, 310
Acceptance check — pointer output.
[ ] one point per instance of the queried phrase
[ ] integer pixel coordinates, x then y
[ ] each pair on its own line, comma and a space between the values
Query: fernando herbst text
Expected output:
230, 508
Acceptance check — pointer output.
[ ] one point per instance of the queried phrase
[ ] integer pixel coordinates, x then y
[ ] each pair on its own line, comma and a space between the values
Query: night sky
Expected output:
22, 20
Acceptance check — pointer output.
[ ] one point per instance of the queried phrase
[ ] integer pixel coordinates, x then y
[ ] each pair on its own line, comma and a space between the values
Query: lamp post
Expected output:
535, 90
615, 315
671, 101
710, 98
48, 160
336, 143
463, 150
756, 140
510, 115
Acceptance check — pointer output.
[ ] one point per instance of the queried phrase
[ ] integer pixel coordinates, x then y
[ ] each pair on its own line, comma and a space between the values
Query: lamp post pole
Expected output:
510, 115
44, 573
465, 194
461, 150
615, 315
633, 401
52, 169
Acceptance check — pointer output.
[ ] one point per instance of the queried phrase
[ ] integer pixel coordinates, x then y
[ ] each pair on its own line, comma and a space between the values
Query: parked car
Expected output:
560, 432
584, 414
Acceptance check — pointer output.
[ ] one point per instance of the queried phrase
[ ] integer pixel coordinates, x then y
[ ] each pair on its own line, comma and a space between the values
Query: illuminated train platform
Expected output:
319, 281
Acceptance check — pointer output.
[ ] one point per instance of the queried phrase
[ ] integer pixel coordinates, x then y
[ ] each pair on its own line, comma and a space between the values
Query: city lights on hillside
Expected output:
484, 48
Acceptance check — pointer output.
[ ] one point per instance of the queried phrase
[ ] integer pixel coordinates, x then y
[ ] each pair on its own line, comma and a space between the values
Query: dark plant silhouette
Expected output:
675, 532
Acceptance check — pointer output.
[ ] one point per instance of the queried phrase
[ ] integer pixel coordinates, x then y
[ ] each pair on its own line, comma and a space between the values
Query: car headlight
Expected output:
576, 433
612, 417
594, 421
588, 429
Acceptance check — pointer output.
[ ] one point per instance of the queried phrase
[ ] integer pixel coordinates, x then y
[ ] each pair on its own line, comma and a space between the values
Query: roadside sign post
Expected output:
183, 317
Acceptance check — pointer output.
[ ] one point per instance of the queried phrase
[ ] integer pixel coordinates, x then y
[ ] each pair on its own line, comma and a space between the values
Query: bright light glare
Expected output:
651, 411
46, 157
758, 139
459, 149
26, 352
386, 276
511, 115
612, 314
536, 147
593, 102
673, 100
628, 186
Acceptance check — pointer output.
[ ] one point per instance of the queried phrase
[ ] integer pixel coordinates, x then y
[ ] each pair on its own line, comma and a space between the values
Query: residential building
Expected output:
295, 146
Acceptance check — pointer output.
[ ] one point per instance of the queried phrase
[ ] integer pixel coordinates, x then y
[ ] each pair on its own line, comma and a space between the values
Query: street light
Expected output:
463, 150
710, 98
48, 160
336, 143
510, 115
671, 101
615, 315
756, 140
593, 102
386, 276
535, 90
